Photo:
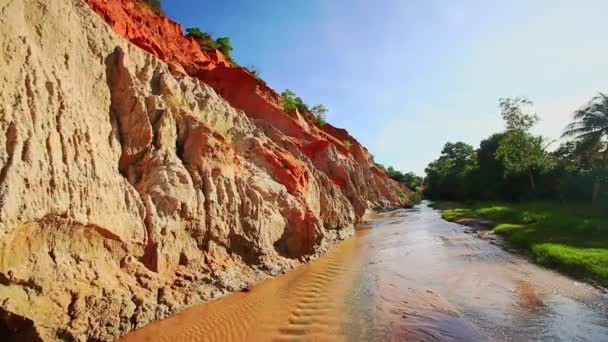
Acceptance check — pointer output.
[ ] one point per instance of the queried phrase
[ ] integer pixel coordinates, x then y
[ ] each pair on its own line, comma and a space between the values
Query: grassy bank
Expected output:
569, 238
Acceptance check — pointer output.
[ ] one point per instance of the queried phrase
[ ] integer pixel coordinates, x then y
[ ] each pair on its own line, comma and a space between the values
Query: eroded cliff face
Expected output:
141, 175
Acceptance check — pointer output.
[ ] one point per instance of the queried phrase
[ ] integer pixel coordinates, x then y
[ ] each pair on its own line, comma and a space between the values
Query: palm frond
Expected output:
590, 122
575, 131
590, 137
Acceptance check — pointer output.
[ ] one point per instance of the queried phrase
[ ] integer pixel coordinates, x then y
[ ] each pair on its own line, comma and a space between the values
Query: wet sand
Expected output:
407, 275
308, 302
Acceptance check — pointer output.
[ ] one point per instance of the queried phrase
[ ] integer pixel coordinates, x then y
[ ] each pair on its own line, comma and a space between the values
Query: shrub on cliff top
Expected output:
224, 45
155, 6
319, 112
292, 102
204, 39
207, 43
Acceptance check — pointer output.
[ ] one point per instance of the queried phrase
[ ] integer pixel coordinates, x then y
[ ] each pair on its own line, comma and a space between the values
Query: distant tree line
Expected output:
411, 180
516, 164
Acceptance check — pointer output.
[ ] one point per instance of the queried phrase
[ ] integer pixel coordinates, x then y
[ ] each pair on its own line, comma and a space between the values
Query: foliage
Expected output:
411, 180
400, 192
415, 197
223, 44
590, 130
207, 43
514, 115
292, 102
571, 238
591, 122
515, 165
155, 6
204, 39
520, 151
448, 177
319, 111
347, 143
490, 172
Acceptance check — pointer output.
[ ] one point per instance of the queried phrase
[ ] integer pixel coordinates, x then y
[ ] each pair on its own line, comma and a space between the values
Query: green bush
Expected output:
292, 102
204, 39
319, 112
207, 43
223, 44
348, 144
415, 198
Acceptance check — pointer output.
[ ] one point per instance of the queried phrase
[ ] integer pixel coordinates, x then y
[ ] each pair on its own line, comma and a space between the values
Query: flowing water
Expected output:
407, 275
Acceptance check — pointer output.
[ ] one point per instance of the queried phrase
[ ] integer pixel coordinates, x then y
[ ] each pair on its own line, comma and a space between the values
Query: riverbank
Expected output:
569, 238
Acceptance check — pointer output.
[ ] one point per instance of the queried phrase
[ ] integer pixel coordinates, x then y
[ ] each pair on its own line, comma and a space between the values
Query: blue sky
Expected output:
404, 77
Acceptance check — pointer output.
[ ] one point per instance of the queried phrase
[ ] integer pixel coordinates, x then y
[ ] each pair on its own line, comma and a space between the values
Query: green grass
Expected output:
569, 238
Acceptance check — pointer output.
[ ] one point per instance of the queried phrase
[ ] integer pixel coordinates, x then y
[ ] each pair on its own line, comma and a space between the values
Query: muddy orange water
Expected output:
406, 276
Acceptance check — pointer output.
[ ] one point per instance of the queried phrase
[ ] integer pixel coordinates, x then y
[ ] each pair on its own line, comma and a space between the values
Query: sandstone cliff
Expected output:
140, 174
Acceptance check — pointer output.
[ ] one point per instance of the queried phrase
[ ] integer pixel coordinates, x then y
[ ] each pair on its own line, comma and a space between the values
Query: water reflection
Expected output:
407, 275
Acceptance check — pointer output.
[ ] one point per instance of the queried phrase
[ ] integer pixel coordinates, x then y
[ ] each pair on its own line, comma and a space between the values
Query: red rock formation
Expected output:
164, 38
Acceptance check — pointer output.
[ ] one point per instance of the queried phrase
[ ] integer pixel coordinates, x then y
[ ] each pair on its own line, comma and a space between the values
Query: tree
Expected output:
155, 6
514, 116
572, 171
590, 129
207, 43
224, 45
319, 112
204, 39
292, 102
490, 172
412, 180
448, 177
459, 154
520, 151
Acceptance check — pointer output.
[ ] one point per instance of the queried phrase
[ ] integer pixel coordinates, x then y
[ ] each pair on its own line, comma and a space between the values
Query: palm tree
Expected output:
590, 128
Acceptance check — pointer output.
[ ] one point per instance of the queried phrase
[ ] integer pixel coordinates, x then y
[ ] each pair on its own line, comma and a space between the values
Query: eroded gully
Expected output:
406, 275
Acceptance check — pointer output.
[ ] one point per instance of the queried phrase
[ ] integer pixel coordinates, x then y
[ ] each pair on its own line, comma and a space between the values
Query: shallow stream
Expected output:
406, 275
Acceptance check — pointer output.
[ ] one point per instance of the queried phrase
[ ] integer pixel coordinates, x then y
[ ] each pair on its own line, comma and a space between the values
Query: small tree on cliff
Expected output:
292, 102
319, 111
204, 39
224, 45
207, 43
155, 6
